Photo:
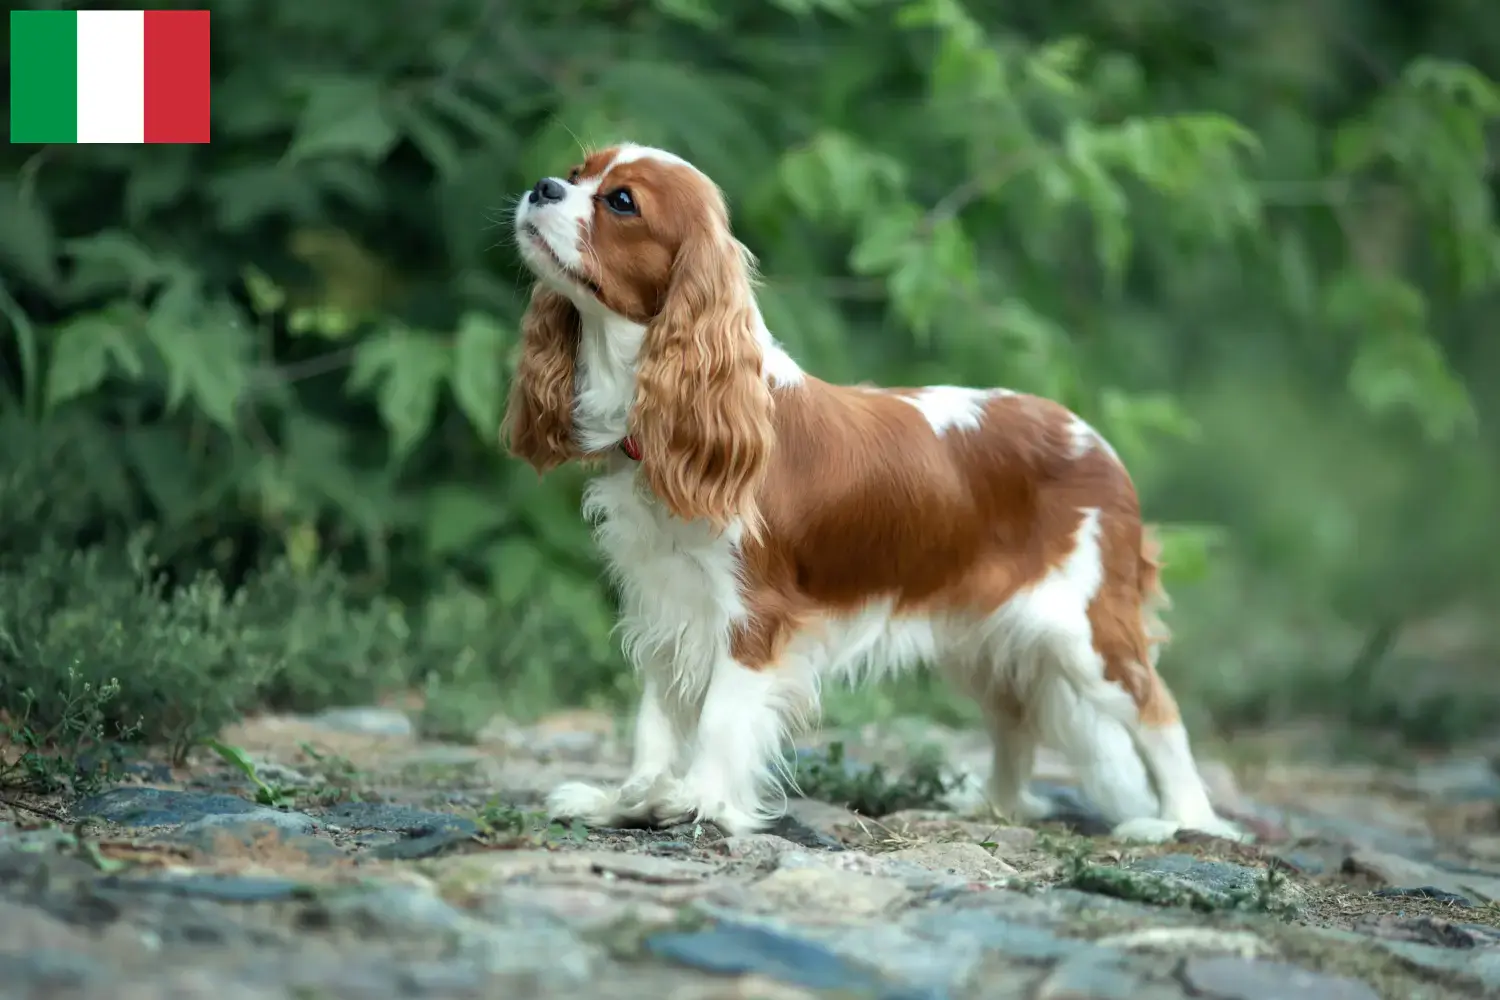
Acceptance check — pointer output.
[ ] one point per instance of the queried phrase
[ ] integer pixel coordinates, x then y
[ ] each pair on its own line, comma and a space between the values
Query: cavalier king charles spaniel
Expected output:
769, 530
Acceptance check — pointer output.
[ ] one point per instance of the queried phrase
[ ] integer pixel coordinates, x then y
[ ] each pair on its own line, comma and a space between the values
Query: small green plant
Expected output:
504, 825
872, 791
266, 793
337, 778
71, 747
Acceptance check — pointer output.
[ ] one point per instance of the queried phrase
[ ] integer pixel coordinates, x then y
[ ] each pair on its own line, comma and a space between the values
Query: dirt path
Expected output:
386, 866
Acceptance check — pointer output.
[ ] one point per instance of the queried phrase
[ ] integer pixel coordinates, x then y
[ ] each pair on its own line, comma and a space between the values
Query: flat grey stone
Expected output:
1456, 779
47, 971
1301, 825
164, 807
1211, 876
994, 933
939, 966
221, 888
370, 721
1480, 965
423, 845
393, 910
1097, 975
394, 818
211, 833
1247, 979
826, 895
420, 833
963, 860
763, 849
1396, 870
736, 949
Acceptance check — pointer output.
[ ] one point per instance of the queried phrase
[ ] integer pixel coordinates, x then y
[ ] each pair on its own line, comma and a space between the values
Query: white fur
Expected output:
1085, 439
709, 730
947, 407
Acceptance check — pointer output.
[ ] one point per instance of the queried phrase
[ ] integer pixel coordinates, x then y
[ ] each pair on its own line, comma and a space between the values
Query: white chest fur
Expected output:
679, 581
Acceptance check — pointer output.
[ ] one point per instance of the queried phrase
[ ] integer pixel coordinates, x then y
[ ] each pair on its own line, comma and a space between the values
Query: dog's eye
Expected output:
620, 202
573, 175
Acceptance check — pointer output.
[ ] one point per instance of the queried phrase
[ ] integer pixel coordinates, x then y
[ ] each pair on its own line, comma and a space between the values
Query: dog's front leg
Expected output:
663, 730
731, 773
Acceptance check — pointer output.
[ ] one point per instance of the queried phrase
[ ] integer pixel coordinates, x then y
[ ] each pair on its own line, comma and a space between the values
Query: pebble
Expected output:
163, 807
368, 721
966, 860
1095, 974
1480, 966
219, 835
1242, 979
223, 889
740, 950
227, 899
820, 895
1213, 876
1395, 870
1455, 779
762, 849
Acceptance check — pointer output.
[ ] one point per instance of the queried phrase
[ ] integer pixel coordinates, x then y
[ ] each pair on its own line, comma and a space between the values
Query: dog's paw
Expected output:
1150, 830
1223, 828
681, 803
590, 804
1146, 830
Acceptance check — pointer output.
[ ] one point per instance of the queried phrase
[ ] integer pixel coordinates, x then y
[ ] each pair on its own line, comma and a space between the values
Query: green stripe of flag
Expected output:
43, 76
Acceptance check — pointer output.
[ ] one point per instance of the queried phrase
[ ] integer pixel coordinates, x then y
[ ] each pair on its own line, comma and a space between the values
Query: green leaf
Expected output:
700, 13
28, 243
27, 349
1298, 274
885, 240
1187, 550
846, 10
266, 297
479, 350
265, 794
406, 369
1131, 421
343, 116
1056, 64
87, 348
108, 866
1399, 371
158, 181
458, 516
550, 513
203, 345
155, 457
432, 136
1457, 81
110, 260
516, 567
836, 178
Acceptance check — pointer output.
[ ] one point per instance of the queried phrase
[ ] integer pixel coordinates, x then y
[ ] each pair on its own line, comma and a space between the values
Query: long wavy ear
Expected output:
702, 413
538, 424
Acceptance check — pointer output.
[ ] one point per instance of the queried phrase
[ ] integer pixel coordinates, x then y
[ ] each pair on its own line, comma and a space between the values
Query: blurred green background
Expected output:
251, 389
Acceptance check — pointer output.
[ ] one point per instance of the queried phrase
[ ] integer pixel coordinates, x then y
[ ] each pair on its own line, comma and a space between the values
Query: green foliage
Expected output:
507, 826
287, 351
266, 793
872, 790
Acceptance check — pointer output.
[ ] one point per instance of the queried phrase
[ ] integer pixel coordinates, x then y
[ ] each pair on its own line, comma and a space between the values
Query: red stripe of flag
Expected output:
177, 83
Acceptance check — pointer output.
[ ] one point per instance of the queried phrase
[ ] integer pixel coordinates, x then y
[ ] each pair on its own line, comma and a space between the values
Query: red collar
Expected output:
631, 449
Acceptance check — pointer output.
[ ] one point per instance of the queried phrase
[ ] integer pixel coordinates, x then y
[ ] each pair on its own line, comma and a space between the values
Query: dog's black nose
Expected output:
547, 190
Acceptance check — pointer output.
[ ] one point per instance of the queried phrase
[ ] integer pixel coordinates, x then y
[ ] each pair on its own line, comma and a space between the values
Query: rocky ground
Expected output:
355, 860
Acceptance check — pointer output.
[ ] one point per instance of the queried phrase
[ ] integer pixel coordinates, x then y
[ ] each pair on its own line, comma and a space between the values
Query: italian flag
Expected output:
109, 76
